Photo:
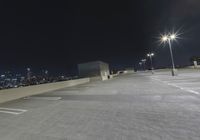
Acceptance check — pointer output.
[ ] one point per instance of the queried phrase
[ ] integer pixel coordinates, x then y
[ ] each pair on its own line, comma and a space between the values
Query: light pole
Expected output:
168, 38
140, 63
28, 74
144, 63
150, 55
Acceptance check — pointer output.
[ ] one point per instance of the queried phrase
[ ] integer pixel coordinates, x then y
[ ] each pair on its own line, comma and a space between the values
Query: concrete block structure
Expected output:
97, 69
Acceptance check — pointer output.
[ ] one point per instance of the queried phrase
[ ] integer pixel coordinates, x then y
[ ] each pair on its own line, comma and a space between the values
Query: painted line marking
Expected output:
185, 89
187, 83
9, 112
44, 98
195, 87
12, 111
175, 85
192, 91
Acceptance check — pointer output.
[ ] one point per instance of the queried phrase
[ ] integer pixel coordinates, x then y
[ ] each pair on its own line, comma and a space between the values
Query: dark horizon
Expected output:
50, 35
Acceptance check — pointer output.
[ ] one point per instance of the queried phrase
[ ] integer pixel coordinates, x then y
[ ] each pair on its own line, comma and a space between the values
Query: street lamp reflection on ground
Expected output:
150, 55
167, 39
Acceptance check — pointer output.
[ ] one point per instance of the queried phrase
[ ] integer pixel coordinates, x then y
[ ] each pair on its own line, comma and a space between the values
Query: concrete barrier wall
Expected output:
99, 78
17, 93
96, 78
193, 67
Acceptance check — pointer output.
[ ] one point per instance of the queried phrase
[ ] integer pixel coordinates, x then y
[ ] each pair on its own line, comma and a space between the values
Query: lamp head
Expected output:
164, 38
173, 36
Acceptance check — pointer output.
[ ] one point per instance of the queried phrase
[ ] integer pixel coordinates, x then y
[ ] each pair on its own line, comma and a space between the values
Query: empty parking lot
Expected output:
135, 106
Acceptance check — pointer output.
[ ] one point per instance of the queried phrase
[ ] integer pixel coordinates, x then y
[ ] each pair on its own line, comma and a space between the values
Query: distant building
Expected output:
96, 69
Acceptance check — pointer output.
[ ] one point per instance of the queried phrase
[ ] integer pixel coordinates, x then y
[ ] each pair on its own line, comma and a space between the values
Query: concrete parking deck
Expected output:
130, 107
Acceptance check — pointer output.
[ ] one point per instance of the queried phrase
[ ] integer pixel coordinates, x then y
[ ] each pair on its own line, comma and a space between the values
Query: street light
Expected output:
168, 38
150, 55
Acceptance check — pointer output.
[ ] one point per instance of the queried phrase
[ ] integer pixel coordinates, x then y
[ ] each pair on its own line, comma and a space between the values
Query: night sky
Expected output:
60, 34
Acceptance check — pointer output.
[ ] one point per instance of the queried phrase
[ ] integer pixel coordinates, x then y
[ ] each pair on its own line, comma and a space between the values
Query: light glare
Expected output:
150, 54
173, 36
164, 38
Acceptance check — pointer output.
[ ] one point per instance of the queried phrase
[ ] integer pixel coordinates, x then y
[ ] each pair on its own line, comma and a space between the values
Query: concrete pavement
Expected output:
129, 107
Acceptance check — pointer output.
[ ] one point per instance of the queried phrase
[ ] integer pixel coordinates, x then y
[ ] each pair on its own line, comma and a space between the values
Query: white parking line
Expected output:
13, 111
192, 91
195, 88
185, 89
9, 112
186, 83
44, 98
177, 85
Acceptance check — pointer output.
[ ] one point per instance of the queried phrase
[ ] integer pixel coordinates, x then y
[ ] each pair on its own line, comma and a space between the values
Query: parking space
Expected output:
187, 80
